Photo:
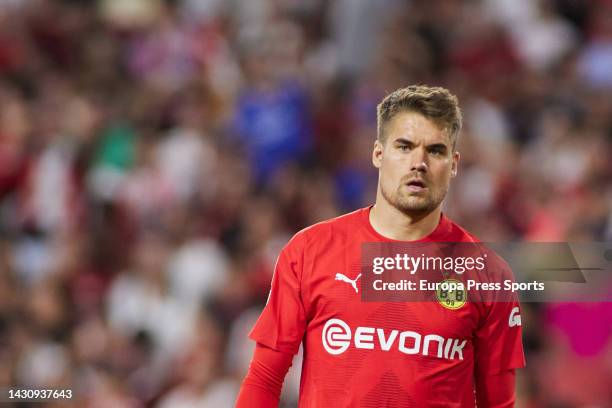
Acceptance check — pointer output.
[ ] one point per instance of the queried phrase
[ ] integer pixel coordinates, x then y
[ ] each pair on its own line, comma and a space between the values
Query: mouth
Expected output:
416, 185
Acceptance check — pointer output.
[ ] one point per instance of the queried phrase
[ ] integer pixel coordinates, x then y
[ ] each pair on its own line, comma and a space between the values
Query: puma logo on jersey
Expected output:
515, 318
352, 282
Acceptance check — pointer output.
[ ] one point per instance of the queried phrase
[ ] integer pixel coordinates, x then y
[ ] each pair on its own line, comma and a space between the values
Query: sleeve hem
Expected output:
272, 345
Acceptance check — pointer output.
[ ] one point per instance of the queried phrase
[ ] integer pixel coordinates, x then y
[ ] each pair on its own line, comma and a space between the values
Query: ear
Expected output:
455, 164
377, 153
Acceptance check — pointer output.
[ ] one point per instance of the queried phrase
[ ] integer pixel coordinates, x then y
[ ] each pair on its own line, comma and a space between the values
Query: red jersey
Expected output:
379, 354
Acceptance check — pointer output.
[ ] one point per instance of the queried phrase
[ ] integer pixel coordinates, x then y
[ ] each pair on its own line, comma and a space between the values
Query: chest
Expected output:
337, 289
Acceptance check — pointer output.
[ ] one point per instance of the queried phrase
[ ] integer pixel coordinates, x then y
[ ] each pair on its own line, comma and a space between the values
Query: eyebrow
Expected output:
402, 140
437, 145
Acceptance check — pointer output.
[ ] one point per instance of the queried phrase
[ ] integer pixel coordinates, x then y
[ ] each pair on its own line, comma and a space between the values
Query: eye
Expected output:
403, 148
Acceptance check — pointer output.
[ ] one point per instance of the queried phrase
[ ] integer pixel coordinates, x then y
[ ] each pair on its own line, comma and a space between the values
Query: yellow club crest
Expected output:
451, 294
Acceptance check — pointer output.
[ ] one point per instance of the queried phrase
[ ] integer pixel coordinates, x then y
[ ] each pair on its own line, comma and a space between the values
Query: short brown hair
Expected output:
435, 103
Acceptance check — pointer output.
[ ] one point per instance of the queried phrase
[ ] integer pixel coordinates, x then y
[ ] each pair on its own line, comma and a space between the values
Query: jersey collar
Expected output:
442, 233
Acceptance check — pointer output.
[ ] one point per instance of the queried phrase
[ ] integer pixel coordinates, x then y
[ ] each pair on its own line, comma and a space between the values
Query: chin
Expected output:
415, 207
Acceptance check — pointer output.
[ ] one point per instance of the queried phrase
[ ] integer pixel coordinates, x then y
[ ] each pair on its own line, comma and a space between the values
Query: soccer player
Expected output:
385, 354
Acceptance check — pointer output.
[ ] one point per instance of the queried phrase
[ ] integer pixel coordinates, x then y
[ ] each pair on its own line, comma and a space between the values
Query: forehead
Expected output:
416, 128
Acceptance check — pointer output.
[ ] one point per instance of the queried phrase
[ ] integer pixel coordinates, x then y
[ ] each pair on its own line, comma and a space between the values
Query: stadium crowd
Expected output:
156, 155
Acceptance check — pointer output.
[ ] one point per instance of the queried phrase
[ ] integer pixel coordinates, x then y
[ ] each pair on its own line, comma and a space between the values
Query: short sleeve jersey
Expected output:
379, 354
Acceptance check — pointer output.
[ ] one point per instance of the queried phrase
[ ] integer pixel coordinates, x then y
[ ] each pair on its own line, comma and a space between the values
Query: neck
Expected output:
392, 223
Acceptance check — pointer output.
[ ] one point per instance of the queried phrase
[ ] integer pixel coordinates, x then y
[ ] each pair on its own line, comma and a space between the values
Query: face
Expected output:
416, 163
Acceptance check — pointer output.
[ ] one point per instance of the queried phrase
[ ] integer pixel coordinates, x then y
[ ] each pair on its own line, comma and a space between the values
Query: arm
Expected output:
498, 347
262, 386
278, 331
496, 391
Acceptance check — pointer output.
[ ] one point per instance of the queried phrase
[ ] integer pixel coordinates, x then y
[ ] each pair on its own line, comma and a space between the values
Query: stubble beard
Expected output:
412, 204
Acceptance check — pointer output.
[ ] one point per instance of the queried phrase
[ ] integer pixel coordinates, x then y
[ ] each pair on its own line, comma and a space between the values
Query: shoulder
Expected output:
326, 231
334, 226
457, 233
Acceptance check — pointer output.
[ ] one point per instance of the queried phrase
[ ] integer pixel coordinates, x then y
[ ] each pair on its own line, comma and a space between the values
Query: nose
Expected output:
418, 160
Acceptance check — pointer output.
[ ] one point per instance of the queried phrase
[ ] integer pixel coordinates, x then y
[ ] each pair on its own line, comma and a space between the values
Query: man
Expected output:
370, 354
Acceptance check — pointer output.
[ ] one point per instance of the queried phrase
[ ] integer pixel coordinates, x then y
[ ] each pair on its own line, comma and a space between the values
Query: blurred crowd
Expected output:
156, 155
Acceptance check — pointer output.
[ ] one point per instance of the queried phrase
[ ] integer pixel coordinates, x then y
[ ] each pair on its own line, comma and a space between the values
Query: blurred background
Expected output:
156, 155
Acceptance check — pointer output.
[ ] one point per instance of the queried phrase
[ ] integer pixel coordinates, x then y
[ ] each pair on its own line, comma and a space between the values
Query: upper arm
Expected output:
498, 342
498, 350
498, 346
496, 390
282, 323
